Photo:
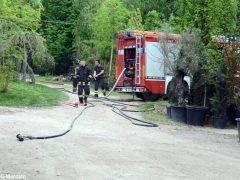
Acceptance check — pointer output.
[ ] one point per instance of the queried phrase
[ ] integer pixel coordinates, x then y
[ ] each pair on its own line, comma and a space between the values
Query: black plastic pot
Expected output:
169, 111
196, 115
232, 114
178, 114
220, 122
238, 126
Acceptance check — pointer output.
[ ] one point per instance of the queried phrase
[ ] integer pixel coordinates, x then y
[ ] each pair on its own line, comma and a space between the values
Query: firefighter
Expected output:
99, 78
83, 77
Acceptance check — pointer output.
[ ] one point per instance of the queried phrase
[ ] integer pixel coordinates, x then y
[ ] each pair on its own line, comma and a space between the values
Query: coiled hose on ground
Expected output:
118, 107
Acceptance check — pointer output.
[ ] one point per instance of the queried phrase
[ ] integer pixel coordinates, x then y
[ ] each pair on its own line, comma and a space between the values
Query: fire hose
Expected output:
22, 138
115, 108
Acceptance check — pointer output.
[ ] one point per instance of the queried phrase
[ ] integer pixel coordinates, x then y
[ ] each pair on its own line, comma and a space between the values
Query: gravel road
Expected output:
105, 146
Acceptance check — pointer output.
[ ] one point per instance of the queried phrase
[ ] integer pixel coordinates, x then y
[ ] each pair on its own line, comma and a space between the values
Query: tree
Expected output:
164, 7
211, 17
135, 20
182, 58
111, 17
58, 23
19, 22
83, 31
153, 21
24, 46
25, 14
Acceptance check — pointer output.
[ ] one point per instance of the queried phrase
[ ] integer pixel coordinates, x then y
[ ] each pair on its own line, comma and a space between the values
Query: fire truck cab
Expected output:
145, 73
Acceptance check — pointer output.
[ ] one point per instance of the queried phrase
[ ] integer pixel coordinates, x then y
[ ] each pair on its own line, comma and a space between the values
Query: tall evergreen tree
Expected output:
58, 22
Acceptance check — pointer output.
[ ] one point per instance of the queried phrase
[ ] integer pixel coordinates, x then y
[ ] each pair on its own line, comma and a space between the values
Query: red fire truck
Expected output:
145, 74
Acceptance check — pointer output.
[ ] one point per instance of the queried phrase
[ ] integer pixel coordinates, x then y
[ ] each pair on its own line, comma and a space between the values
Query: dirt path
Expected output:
104, 146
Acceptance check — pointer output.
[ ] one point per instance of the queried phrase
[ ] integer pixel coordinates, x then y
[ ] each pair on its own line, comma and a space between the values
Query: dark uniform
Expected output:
99, 81
83, 77
75, 80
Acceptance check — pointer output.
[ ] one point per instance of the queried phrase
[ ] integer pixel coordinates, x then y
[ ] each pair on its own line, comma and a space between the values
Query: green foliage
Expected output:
7, 72
86, 29
152, 21
111, 17
25, 45
135, 21
24, 13
83, 32
43, 63
211, 17
58, 24
237, 100
182, 58
165, 7
216, 79
222, 68
186, 55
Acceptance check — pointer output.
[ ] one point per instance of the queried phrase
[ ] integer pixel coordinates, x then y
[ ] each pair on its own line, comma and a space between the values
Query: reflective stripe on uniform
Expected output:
80, 96
82, 83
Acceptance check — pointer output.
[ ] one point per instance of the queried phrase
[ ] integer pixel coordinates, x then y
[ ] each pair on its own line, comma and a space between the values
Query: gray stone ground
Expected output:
104, 146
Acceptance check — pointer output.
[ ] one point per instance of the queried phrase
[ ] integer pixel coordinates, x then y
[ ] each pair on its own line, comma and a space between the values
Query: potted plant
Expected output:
222, 67
181, 59
219, 101
219, 105
197, 110
237, 102
196, 115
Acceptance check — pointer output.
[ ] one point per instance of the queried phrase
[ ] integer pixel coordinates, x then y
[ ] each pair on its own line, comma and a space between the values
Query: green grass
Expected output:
49, 79
148, 105
24, 94
44, 78
154, 116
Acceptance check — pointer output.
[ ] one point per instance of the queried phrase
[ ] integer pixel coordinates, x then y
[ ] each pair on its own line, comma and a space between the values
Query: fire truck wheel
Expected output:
148, 96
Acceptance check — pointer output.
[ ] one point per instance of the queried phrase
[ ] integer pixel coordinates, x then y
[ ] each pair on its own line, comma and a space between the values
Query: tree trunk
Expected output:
78, 48
179, 87
24, 77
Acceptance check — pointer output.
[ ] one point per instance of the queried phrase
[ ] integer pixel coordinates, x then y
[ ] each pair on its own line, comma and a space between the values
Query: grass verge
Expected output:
44, 78
50, 80
24, 94
159, 117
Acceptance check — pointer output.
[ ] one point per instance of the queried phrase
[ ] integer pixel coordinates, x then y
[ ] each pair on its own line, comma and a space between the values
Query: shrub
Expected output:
7, 72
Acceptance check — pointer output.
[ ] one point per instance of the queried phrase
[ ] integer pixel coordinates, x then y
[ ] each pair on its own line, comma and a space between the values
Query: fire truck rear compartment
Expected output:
129, 62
